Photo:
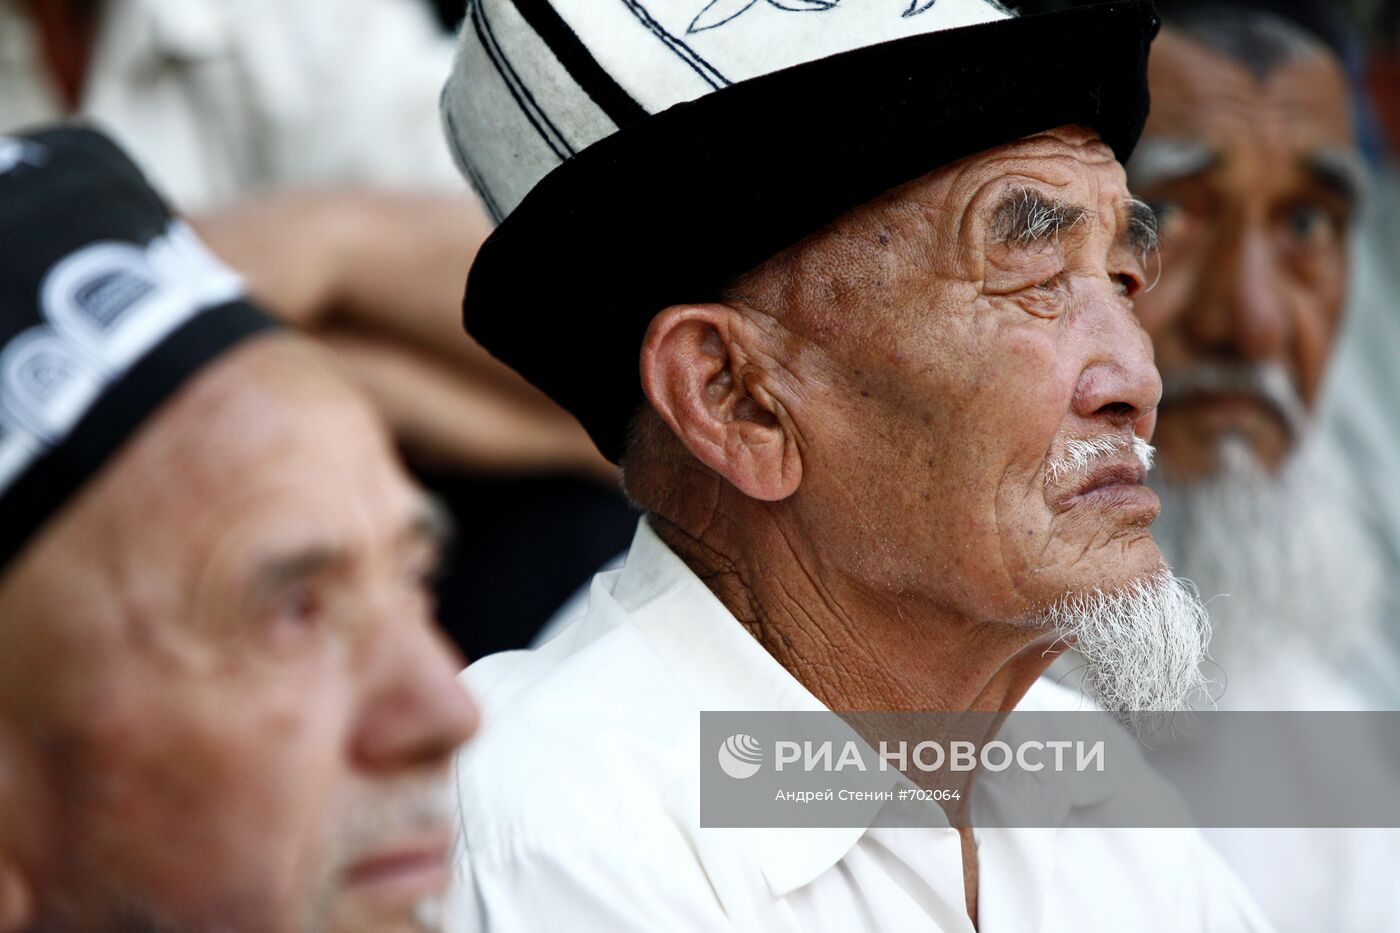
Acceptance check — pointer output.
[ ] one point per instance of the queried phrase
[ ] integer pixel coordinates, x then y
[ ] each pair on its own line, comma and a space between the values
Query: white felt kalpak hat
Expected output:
641, 153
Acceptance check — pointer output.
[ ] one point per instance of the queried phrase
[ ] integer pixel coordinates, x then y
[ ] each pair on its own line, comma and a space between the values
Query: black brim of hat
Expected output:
48, 485
674, 207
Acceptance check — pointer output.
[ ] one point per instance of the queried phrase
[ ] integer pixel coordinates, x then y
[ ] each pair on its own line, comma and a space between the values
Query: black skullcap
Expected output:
107, 306
1319, 18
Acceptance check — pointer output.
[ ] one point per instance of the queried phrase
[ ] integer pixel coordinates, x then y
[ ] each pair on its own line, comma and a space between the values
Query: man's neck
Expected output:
853, 648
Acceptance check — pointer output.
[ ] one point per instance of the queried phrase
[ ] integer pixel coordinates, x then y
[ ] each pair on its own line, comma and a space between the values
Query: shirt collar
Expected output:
722, 667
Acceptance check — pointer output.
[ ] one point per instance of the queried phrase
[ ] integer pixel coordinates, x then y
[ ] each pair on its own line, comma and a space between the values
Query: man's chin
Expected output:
373, 912
1114, 568
1285, 559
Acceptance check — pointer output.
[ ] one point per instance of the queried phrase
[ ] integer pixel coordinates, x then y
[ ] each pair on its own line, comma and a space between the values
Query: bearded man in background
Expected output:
1249, 160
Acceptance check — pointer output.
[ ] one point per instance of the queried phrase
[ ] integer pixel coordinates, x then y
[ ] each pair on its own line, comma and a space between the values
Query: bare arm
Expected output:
441, 415
382, 276
390, 263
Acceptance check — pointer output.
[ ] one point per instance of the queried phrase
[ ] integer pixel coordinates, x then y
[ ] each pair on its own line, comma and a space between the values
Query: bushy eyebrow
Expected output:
1340, 169
1162, 160
1140, 231
430, 522
293, 567
1026, 217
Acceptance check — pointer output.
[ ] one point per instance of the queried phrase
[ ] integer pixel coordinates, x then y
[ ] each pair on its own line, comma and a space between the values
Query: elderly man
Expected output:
1249, 160
889, 426
223, 703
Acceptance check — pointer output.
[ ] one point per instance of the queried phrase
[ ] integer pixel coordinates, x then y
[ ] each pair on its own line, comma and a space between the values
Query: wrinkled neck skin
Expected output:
852, 646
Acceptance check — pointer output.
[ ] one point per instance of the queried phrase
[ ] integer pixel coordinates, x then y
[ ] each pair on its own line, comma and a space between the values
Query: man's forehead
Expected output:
1068, 161
1201, 90
1082, 172
270, 403
1211, 115
1069, 164
270, 423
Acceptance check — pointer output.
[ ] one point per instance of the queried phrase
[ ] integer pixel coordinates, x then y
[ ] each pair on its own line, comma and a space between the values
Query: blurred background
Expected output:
302, 140
1357, 416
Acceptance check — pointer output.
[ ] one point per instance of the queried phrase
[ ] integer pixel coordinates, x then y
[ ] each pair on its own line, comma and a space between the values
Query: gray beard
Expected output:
1285, 564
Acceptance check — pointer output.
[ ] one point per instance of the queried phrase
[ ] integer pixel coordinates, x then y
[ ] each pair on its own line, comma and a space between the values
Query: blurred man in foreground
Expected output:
304, 141
223, 701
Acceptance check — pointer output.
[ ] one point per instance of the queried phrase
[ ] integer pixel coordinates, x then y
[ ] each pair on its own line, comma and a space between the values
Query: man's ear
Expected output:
699, 373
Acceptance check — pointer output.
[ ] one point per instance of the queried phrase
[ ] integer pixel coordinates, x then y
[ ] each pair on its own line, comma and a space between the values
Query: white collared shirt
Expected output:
215, 99
580, 805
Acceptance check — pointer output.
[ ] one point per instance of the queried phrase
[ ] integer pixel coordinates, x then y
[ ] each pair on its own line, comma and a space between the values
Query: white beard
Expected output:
1140, 647
1284, 562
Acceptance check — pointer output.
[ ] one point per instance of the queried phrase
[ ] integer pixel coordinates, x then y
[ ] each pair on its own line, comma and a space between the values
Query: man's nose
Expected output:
1239, 313
1119, 386
415, 711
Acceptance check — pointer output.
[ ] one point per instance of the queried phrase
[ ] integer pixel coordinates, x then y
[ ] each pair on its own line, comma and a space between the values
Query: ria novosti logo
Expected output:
740, 756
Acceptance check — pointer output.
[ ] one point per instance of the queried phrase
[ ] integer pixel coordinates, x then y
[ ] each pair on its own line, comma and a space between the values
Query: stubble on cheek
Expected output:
1049, 551
187, 807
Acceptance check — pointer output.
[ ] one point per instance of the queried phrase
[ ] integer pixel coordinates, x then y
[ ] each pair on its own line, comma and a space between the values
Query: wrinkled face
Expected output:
1254, 181
221, 693
952, 340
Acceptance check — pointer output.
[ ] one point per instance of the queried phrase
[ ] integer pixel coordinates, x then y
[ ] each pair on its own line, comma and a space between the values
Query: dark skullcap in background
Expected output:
108, 305
1322, 19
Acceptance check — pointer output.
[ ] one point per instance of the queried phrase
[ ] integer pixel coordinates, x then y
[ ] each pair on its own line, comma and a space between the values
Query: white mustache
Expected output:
1270, 382
1082, 453
399, 813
